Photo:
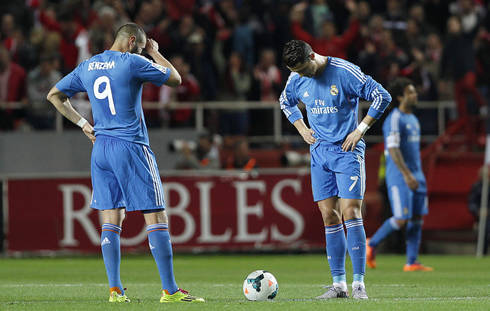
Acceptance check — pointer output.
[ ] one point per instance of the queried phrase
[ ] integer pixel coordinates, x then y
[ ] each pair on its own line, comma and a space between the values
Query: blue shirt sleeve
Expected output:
71, 83
145, 70
366, 87
289, 102
391, 130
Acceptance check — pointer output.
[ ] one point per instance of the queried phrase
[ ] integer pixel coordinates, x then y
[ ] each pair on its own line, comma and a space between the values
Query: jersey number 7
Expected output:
106, 93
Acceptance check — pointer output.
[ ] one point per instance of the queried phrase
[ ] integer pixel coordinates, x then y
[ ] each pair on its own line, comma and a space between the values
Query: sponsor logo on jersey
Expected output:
306, 94
413, 138
324, 110
159, 67
101, 65
334, 90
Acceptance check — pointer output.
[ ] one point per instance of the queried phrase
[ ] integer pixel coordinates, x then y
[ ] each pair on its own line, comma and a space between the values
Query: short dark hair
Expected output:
397, 88
131, 29
295, 52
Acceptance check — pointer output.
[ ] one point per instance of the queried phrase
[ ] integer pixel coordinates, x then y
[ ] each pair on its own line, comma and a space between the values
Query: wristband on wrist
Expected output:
82, 122
363, 127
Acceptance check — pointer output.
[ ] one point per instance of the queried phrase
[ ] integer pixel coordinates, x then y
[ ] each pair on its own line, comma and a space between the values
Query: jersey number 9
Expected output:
106, 93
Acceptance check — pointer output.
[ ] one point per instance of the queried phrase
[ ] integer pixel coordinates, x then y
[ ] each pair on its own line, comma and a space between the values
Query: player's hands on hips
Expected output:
307, 135
89, 131
411, 182
351, 141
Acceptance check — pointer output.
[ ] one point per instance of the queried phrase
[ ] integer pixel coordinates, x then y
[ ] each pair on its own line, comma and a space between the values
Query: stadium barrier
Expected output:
262, 210
442, 107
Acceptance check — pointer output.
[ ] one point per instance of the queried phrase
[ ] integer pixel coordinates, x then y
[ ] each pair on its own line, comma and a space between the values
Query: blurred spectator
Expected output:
433, 53
470, 12
423, 80
149, 14
237, 85
417, 14
243, 41
187, 91
328, 42
459, 56
395, 20
414, 37
315, 15
74, 45
84, 14
8, 29
268, 76
41, 113
103, 33
205, 157
241, 157
20, 49
12, 89
368, 44
391, 58
121, 15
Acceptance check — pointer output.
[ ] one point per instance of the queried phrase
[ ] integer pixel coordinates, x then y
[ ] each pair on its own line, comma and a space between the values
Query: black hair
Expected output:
131, 29
295, 52
397, 88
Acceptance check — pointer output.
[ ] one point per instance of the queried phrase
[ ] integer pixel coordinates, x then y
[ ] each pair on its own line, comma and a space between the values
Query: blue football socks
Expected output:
161, 248
356, 245
414, 235
336, 250
390, 225
111, 251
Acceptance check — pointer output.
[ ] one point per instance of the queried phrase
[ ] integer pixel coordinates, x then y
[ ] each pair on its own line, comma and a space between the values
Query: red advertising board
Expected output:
228, 212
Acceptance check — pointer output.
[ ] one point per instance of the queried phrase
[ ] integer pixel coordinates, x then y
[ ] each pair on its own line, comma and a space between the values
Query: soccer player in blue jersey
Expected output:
405, 179
330, 89
124, 171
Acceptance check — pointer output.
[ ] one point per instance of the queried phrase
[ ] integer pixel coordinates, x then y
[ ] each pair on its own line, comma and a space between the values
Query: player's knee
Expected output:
330, 216
352, 212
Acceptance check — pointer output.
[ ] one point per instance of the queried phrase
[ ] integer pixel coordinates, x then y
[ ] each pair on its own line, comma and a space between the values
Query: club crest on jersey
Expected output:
334, 90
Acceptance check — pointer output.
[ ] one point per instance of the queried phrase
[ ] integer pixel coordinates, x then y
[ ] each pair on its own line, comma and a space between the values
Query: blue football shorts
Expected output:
405, 202
336, 173
125, 174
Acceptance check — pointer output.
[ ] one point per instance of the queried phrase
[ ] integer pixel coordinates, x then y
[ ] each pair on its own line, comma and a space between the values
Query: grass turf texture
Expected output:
80, 283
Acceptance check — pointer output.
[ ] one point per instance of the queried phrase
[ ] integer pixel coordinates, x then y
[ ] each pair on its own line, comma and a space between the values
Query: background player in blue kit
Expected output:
405, 179
124, 171
330, 88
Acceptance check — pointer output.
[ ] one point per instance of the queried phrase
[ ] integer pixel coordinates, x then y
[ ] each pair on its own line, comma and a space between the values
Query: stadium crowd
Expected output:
231, 50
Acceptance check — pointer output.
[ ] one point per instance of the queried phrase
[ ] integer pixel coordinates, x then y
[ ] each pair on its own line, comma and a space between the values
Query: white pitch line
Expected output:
214, 285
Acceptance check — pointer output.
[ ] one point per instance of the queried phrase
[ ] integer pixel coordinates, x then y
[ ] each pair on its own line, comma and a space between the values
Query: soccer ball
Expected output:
260, 285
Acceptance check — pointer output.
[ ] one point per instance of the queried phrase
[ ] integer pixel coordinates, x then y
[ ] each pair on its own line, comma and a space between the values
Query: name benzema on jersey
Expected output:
101, 65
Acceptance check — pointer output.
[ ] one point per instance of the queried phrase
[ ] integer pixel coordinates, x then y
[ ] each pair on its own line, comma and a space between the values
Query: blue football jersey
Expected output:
402, 130
332, 100
113, 82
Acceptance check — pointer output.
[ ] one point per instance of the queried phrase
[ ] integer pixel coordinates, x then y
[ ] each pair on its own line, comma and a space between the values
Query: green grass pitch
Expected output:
79, 283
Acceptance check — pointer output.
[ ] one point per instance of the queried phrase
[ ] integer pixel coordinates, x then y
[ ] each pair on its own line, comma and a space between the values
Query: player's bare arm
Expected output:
63, 105
353, 138
397, 157
305, 132
152, 50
